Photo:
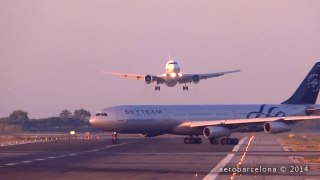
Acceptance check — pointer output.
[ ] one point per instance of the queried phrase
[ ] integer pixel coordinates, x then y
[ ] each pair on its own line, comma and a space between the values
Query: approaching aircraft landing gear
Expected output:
185, 88
224, 141
157, 88
115, 139
192, 140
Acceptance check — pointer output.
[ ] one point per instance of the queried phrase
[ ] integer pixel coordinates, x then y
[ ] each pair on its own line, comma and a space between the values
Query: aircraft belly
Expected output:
170, 82
187, 131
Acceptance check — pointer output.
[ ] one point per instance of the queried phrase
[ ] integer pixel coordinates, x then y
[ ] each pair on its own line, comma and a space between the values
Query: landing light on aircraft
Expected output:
173, 75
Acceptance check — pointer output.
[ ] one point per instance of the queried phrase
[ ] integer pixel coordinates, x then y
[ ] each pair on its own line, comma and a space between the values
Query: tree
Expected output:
81, 114
18, 115
65, 114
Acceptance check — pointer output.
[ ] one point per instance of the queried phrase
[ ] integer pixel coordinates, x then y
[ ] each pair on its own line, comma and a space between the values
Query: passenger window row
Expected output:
101, 114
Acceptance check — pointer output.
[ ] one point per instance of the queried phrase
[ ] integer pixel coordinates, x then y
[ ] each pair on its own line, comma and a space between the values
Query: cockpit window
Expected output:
101, 114
173, 63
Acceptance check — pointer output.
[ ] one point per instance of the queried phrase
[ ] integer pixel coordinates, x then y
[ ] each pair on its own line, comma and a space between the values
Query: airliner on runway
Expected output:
215, 122
172, 76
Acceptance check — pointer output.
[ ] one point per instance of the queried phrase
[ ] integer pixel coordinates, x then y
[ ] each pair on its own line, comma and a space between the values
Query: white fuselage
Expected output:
168, 119
172, 74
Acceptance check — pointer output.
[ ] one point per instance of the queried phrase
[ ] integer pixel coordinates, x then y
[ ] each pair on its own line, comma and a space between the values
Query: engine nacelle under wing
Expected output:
276, 127
211, 132
195, 78
148, 79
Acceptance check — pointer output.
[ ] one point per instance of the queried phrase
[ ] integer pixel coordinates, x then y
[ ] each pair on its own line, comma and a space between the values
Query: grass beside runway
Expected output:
304, 142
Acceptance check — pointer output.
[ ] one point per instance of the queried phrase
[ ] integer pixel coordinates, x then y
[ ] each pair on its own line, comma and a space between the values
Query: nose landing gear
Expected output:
115, 139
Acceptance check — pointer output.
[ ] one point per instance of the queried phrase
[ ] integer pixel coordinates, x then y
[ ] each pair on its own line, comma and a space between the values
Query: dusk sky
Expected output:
52, 52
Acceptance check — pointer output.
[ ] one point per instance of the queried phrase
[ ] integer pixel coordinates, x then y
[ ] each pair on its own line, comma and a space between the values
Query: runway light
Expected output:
242, 158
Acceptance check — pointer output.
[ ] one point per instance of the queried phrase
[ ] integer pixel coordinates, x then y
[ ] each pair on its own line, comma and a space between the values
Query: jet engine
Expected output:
195, 78
211, 132
276, 127
148, 79
150, 134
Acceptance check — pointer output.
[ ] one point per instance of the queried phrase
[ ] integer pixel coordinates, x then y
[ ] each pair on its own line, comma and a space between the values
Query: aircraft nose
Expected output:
92, 120
96, 122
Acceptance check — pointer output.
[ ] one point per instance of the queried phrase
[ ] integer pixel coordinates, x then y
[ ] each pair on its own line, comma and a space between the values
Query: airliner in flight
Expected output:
215, 122
172, 76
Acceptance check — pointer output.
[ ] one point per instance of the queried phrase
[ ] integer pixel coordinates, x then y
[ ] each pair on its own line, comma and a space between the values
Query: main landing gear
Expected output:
224, 141
192, 140
157, 88
185, 87
115, 139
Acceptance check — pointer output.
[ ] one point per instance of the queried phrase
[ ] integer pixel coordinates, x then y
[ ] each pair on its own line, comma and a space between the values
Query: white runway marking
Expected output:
26, 161
61, 156
215, 171
236, 148
11, 164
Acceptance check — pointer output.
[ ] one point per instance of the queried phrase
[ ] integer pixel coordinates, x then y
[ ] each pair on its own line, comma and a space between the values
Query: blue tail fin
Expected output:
308, 90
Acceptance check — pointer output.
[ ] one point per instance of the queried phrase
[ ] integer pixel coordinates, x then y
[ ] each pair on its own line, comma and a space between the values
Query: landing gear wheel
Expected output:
185, 88
115, 141
231, 141
199, 140
186, 140
223, 141
157, 88
236, 141
214, 141
192, 140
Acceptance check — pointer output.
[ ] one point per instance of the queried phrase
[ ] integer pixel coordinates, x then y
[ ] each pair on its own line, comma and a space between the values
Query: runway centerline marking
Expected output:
26, 161
213, 174
11, 164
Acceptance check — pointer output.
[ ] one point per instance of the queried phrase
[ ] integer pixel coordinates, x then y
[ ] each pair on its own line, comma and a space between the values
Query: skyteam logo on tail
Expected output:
313, 82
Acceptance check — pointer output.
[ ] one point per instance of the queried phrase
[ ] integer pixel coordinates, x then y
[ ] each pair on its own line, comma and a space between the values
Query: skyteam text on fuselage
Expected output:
215, 122
172, 76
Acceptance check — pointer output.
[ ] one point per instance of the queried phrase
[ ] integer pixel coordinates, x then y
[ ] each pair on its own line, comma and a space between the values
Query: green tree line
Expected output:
18, 121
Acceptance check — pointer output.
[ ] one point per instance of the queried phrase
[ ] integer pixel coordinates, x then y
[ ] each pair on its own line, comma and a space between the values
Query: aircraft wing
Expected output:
155, 78
247, 121
188, 78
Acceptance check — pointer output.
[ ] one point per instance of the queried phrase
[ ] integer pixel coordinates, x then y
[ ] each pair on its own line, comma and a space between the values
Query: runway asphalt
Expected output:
164, 157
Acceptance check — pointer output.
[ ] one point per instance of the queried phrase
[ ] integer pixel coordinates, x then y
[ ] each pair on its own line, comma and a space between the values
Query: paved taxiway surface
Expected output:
148, 158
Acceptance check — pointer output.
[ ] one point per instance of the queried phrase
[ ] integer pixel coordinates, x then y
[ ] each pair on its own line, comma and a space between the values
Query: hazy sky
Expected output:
52, 52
